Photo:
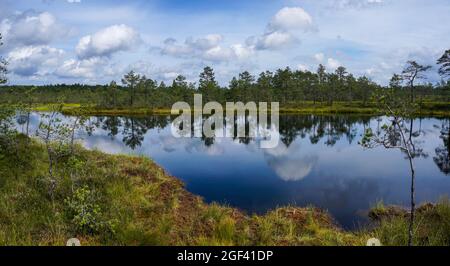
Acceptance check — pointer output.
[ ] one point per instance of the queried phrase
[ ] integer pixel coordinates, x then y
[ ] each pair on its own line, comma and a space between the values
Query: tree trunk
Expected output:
131, 96
72, 135
28, 124
413, 204
411, 124
409, 145
448, 139
50, 161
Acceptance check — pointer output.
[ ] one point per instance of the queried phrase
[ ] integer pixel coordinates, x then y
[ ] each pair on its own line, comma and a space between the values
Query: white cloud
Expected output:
290, 163
204, 43
330, 63
293, 169
171, 47
218, 53
85, 68
107, 42
31, 28
333, 63
274, 40
291, 18
34, 60
353, 32
319, 57
279, 34
242, 51
281, 31
303, 67
208, 48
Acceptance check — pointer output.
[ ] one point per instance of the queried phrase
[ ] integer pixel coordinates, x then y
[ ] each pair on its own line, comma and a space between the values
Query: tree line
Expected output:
287, 86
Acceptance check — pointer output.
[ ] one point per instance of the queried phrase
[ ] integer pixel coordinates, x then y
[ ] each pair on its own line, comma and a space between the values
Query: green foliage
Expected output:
85, 213
396, 110
6, 123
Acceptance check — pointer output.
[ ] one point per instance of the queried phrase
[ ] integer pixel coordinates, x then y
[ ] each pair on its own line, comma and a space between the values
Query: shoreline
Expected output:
435, 109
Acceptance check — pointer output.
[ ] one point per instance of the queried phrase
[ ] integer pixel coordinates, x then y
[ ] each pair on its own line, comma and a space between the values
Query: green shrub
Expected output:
85, 214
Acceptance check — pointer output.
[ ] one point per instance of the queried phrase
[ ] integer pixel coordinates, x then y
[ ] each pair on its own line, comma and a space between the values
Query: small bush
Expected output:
85, 213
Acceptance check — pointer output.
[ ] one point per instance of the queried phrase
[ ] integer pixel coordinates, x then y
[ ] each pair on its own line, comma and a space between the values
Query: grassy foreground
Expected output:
425, 108
123, 200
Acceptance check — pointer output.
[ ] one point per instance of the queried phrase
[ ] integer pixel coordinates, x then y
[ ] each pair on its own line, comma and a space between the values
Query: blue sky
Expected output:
96, 41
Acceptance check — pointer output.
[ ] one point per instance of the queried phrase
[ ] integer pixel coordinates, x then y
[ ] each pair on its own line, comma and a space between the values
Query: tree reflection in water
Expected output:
317, 129
442, 158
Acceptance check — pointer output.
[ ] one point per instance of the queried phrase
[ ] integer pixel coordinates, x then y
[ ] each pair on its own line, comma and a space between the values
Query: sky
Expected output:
97, 41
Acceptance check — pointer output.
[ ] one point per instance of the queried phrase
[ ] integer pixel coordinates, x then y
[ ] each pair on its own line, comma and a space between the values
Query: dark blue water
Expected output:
318, 162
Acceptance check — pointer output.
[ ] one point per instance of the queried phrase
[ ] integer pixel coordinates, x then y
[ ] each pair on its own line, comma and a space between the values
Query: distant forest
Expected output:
284, 85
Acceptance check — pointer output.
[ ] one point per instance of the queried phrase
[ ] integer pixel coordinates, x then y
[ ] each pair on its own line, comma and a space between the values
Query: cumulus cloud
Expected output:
283, 28
361, 42
291, 18
171, 47
330, 62
319, 57
205, 43
85, 68
31, 28
274, 40
242, 51
333, 63
107, 41
208, 47
191, 45
218, 53
34, 60
280, 32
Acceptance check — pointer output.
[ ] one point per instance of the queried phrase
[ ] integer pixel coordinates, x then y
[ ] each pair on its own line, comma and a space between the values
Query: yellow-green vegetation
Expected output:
305, 107
431, 228
123, 200
46, 107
